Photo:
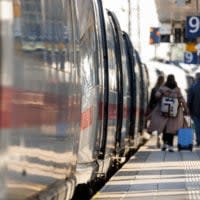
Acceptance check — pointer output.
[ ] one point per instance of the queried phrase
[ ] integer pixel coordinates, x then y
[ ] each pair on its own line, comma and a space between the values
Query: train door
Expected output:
129, 90
40, 97
135, 93
123, 90
108, 139
90, 65
143, 90
126, 99
113, 99
103, 83
107, 109
146, 90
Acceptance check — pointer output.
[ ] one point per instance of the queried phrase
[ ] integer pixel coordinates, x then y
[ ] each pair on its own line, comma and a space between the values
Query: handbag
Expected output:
169, 106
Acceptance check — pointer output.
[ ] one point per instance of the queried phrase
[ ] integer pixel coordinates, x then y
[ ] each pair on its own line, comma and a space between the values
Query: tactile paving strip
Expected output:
192, 172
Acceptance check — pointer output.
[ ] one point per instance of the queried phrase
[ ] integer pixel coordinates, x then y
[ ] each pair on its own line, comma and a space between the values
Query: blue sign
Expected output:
154, 35
191, 58
192, 27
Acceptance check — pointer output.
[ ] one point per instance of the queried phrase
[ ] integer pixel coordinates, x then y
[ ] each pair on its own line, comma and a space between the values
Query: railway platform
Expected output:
152, 174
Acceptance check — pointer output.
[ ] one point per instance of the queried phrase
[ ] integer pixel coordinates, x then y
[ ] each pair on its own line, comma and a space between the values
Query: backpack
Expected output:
169, 106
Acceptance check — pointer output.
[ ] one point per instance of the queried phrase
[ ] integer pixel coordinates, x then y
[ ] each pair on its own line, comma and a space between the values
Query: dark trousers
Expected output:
168, 138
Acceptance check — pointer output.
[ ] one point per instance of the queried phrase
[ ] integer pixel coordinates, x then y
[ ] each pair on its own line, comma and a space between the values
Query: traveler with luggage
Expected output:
168, 116
194, 106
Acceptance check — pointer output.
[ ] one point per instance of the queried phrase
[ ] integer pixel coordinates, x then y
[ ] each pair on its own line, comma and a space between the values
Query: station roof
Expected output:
176, 10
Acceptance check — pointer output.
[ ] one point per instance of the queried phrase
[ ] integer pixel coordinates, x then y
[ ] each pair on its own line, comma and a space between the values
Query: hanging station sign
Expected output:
192, 26
154, 35
190, 57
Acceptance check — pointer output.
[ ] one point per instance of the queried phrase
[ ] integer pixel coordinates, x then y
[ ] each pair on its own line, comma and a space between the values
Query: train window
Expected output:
43, 31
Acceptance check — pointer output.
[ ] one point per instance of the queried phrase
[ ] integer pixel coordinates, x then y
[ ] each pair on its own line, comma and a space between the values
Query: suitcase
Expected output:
185, 139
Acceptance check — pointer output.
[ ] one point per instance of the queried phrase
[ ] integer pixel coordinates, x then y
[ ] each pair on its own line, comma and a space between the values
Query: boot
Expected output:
171, 149
165, 146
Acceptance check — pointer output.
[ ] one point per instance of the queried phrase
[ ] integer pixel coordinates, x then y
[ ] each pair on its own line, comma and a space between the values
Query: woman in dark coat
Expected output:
154, 101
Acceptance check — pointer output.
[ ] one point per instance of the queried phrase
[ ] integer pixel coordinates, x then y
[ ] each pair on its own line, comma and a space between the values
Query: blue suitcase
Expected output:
185, 139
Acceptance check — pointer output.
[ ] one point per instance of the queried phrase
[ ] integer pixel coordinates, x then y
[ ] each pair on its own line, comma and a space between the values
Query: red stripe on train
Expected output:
5, 107
112, 114
112, 111
86, 118
20, 109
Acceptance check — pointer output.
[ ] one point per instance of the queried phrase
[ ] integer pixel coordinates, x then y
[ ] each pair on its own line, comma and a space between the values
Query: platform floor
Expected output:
152, 174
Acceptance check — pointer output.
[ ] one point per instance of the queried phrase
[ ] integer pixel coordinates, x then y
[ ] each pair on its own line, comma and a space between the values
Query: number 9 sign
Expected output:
190, 58
192, 26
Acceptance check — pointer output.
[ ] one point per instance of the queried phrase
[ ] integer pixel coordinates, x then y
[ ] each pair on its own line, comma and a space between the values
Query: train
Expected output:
73, 92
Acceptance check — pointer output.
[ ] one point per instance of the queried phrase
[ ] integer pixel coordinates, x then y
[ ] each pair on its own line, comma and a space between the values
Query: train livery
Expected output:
73, 93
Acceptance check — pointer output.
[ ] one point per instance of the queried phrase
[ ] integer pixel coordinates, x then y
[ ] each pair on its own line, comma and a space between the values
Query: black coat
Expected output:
194, 99
153, 99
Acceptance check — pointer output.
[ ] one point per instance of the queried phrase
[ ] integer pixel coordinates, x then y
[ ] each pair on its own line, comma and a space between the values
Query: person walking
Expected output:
166, 124
153, 99
153, 102
194, 106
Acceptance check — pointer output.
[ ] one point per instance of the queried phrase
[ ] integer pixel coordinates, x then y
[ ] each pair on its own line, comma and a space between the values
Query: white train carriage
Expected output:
71, 88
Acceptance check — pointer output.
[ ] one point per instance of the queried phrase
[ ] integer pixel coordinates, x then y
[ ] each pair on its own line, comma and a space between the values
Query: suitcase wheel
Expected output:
190, 147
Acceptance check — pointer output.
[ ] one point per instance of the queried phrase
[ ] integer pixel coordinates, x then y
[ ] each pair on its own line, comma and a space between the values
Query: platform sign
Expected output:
154, 35
192, 26
190, 57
